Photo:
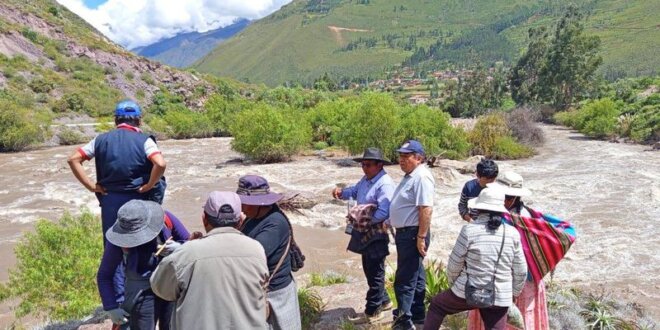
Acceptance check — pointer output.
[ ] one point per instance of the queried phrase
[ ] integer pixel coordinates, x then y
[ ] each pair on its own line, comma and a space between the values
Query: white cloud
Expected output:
134, 23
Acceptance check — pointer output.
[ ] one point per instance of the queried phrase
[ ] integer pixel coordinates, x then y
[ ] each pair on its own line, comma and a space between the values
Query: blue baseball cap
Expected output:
412, 146
128, 108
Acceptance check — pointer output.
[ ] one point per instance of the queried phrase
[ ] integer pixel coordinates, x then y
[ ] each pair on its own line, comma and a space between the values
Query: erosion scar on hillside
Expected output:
336, 32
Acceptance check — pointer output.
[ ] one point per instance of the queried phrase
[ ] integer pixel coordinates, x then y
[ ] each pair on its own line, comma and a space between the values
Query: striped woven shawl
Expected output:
545, 238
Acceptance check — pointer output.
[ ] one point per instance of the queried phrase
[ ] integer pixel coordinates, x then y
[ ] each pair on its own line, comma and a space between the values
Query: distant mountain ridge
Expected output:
366, 38
184, 49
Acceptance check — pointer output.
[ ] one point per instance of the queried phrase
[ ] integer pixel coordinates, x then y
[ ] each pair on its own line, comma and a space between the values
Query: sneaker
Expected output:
418, 321
387, 306
364, 318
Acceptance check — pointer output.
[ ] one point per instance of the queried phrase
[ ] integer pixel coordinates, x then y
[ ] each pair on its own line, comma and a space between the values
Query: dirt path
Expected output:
337, 33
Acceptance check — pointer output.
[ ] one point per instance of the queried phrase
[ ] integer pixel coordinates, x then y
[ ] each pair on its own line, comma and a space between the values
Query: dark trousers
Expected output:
110, 204
446, 303
373, 265
148, 310
410, 278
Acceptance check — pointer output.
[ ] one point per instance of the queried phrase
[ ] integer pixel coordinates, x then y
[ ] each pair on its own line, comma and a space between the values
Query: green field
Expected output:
298, 43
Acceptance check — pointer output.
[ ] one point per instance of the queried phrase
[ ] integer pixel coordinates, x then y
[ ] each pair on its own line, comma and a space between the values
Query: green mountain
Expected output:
366, 38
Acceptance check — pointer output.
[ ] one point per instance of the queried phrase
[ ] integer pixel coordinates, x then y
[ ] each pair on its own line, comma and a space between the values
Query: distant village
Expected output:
422, 90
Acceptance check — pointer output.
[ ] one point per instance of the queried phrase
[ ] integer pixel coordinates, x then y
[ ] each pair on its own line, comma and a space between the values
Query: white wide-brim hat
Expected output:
511, 183
490, 199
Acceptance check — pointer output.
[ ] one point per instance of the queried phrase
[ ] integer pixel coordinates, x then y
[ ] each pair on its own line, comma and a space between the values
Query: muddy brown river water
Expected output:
611, 192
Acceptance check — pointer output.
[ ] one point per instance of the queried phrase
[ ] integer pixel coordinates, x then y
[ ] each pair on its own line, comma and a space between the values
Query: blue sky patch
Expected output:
93, 4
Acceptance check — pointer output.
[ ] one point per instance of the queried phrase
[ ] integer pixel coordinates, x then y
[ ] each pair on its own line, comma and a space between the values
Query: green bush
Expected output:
69, 136
485, 133
599, 118
326, 279
184, 124
219, 111
436, 280
433, 129
55, 276
645, 126
266, 134
311, 306
328, 119
506, 147
19, 128
374, 122
320, 145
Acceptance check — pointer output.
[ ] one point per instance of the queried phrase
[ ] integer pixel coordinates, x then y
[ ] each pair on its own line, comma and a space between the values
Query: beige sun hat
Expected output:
490, 199
511, 183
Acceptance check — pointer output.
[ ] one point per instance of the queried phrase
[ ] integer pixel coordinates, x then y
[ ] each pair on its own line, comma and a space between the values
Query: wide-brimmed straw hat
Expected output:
138, 222
511, 183
490, 199
372, 154
254, 190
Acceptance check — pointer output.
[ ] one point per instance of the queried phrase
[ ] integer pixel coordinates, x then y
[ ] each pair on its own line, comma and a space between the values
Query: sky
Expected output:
135, 23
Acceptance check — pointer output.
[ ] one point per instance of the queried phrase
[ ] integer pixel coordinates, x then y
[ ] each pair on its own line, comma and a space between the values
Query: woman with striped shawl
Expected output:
545, 241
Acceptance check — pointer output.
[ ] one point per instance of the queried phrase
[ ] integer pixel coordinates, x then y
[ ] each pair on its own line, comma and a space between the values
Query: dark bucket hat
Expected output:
254, 190
138, 222
373, 154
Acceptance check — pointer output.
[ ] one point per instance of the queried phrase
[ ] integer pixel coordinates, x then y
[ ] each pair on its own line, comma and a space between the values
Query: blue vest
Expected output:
121, 163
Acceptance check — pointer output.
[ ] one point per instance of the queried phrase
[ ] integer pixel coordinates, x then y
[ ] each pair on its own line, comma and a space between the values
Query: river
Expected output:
610, 191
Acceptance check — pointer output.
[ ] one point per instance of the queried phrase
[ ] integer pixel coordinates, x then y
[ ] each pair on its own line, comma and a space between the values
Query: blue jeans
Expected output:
110, 204
410, 278
373, 264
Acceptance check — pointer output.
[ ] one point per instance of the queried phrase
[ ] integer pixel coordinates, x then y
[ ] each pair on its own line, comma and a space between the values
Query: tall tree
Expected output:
557, 70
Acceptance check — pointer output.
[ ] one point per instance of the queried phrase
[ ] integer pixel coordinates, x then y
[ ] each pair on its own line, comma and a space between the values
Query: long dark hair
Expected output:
494, 219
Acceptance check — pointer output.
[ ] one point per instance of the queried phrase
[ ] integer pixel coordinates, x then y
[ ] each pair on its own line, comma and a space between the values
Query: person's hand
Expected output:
195, 235
467, 217
145, 188
98, 189
170, 246
118, 316
421, 246
336, 193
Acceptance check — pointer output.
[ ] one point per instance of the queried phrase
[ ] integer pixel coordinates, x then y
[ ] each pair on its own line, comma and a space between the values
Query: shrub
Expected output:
184, 123
645, 126
326, 279
18, 129
433, 129
506, 147
56, 268
599, 118
436, 280
69, 136
320, 145
311, 305
41, 85
522, 122
374, 122
485, 133
269, 135
71, 102
219, 110
327, 119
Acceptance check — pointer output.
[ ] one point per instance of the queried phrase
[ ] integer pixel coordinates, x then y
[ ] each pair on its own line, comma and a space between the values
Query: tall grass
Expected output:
311, 306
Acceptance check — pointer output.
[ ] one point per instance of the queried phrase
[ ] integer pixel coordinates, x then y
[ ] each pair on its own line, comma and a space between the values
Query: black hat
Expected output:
372, 154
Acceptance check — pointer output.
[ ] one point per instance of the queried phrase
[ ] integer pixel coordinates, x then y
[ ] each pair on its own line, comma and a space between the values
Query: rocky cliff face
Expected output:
43, 41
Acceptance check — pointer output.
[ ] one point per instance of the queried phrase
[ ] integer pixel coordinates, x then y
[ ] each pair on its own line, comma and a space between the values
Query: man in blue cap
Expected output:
129, 166
410, 215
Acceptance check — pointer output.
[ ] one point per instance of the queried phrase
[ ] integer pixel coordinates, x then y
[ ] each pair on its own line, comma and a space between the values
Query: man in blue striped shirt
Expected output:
487, 171
375, 187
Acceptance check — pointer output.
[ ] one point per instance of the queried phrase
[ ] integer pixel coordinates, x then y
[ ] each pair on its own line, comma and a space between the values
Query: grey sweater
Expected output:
475, 253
